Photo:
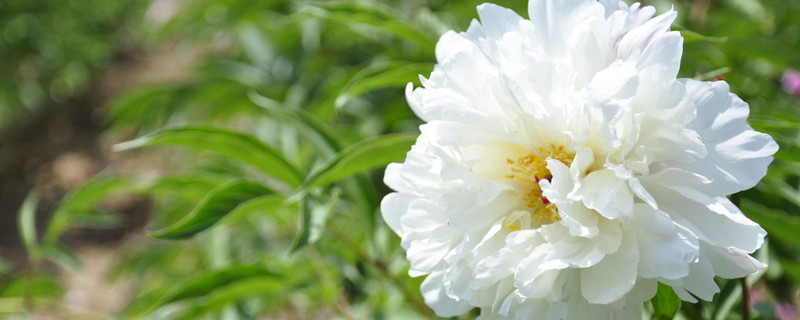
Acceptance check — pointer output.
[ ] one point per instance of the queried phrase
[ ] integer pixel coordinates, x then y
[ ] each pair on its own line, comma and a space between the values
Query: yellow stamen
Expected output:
531, 168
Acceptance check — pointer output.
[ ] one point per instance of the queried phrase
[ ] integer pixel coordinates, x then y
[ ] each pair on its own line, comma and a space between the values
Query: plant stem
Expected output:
745, 299
380, 265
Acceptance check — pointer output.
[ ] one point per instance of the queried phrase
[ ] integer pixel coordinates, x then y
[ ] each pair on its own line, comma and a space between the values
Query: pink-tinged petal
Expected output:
731, 262
638, 39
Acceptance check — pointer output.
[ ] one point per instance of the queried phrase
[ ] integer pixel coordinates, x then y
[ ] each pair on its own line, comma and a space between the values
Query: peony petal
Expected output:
601, 190
438, 300
554, 20
612, 277
738, 156
731, 262
665, 249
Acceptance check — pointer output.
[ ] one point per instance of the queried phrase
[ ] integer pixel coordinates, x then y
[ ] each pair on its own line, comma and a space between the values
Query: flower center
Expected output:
527, 171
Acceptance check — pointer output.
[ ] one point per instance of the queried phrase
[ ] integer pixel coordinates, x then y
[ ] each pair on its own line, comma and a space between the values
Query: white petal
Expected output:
738, 156
437, 299
731, 262
601, 190
612, 277
714, 220
664, 250
393, 207
554, 19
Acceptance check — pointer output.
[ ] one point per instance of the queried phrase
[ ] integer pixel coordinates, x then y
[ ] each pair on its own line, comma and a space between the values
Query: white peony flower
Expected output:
564, 170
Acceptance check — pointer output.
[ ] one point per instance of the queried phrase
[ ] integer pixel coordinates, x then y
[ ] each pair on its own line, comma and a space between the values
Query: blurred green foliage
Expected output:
51, 50
285, 123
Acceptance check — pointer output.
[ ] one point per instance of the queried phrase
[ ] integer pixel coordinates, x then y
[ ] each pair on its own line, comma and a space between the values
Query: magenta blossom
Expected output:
791, 82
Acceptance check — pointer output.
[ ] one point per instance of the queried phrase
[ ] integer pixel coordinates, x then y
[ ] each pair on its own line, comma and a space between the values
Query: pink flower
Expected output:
785, 310
791, 82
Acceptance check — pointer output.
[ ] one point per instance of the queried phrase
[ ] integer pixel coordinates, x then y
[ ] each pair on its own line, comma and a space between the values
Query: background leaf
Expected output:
79, 206
242, 147
361, 156
666, 303
200, 285
217, 203
27, 223
382, 75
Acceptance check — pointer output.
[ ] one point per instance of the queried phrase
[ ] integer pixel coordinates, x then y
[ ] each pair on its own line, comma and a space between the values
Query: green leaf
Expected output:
81, 201
27, 223
314, 216
315, 130
201, 285
665, 303
254, 205
726, 299
779, 225
62, 257
362, 156
265, 287
235, 145
382, 75
373, 15
215, 205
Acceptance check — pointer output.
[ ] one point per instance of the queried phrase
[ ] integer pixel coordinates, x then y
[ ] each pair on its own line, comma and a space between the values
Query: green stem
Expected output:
745, 299
382, 267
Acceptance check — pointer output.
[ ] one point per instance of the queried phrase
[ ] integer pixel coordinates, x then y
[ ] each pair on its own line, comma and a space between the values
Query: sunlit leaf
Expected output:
235, 145
260, 204
217, 204
362, 156
314, 215
665, 303
308, 125
373, 15
381, 75
266, 287
27, 223
200, 285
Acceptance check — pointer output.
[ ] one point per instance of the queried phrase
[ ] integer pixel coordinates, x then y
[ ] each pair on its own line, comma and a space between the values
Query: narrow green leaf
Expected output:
692, 36
62, 257
373, 15
27, 223
772, 122
361, 156
665, 303
314, 216
235, 145
726, 299
254, 205
201, 285
204, 283
779, 225
382, 75
13, 305
75, 206
216, 300
217, 204
315, 130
